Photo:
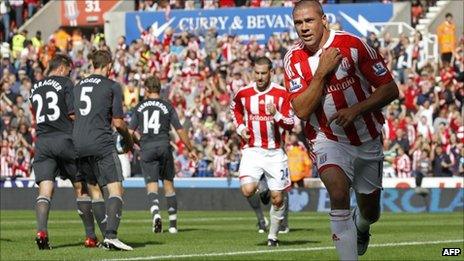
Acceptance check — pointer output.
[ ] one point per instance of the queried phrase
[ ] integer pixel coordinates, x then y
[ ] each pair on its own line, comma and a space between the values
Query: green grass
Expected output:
230, 232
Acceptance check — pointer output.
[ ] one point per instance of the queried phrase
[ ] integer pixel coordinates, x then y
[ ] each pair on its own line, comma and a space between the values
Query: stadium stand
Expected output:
424, 129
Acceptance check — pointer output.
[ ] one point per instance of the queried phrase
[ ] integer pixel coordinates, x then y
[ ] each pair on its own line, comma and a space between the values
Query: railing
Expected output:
397, 28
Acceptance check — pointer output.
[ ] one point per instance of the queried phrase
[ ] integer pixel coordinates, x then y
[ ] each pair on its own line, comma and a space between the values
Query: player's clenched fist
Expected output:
245, 134
329, 60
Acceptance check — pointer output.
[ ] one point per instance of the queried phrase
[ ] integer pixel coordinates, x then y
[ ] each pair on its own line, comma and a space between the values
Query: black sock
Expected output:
172, 209
114, 212
255, 204
153, 203
42, 208
84, 208
284, 222
99, 212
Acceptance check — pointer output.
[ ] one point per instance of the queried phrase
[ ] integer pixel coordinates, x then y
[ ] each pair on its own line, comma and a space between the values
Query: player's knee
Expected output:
371, 216
247, 191
277, 200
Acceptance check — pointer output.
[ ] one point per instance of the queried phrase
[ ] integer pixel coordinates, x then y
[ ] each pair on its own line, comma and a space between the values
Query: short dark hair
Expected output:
263, 60
153, 84
100, 58
59, 60
302, 3
448, 15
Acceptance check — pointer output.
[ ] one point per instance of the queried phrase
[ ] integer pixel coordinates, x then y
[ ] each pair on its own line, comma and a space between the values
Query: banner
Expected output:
392, 200
258, 23
84, 13
398, 183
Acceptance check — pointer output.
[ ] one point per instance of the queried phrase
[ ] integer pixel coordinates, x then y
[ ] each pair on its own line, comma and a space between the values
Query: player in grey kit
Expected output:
98, 104
154, 117
52, 102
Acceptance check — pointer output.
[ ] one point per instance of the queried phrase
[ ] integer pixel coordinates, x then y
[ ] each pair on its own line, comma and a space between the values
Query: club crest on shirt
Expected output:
295, 84
379, 69
322, 159
342, 70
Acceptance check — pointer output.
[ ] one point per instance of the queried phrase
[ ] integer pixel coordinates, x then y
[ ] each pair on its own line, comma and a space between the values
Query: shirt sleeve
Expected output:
69, 96
175, 119
236, 108
293, 81
372, 65
117, 101
284, 118
134, 122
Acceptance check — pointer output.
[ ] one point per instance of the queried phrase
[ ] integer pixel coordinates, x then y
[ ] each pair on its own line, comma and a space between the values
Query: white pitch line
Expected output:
309, 249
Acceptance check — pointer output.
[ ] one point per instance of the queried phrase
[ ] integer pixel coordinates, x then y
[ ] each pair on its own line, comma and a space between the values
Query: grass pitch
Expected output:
218, 235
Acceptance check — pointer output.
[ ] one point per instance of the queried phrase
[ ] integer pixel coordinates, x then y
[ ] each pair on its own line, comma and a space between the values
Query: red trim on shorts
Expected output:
321, 169
287, 188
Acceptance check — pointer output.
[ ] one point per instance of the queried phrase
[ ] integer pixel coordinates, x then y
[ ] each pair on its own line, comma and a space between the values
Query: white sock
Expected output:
344, 234
361, 223
277, 215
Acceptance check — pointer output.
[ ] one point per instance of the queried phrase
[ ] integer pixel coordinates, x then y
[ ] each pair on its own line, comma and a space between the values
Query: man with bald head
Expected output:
338, 85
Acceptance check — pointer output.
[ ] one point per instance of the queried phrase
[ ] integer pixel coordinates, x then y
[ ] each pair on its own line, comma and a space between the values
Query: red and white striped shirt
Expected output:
361, 68
249, 111
403, 166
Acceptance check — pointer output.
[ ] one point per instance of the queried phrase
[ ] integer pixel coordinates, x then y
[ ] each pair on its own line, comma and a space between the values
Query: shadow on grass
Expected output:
6, 240
292, 242
143, 244
301, 229
181, 230
67, 245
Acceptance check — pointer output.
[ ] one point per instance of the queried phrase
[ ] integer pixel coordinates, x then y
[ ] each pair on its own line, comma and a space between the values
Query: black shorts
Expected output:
55, 156
157, 163
101, 169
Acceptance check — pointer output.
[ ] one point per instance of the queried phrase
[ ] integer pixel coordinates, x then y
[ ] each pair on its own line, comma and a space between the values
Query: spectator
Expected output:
421, 163
401, 140
5, 14
441, 162
32, 6
446, 33
461, 163
417, 11
17, 6
403, 164
372, 41
299, 163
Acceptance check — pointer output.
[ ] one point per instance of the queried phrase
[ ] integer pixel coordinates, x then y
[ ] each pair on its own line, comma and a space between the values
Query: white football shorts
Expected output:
273, 163
362, 164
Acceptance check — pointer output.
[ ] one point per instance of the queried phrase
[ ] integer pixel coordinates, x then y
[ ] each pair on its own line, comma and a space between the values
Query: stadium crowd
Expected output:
423, 132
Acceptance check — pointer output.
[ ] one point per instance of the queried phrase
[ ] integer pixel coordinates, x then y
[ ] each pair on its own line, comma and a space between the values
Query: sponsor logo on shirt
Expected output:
340, 86
295, 84
379, 69
256, 117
